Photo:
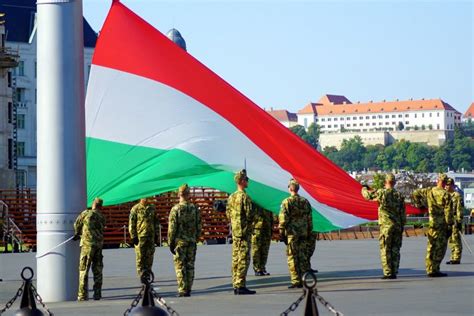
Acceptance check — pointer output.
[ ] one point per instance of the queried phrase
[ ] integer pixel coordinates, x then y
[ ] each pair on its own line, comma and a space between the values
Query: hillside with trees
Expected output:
456, 154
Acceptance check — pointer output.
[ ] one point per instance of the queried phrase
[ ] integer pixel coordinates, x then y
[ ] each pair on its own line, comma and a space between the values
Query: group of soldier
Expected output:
251, 228
445, 210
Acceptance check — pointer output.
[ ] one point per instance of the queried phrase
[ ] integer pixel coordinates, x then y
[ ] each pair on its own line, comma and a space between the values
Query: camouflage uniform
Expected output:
240, 213
184, 231
438, 202
90, 226
261, 238
144, 225
310, 246
392, 219
455, 243
296, 224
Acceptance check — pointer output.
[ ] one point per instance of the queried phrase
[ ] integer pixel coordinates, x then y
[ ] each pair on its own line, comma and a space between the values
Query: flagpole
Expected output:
61, 152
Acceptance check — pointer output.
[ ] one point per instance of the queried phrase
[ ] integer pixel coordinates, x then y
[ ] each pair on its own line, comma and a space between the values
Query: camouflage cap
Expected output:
390, 177
293, 183
184, 189
443, 177
241, 175
450, 181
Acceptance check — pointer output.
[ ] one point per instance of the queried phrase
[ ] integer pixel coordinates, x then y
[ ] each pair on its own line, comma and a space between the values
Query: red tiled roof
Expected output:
470, 111
309, 109
283, 115
376, 107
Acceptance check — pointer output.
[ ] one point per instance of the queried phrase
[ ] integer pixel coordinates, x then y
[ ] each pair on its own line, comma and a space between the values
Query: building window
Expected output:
387, 123
20, 149
323, 126
329, 119
361, 124
367, 124
335, 119
373, 124
305, 122
20, 121
393, 115
399, 115
431, 114
422, 114
323, 119
335, 125
329, 126
20, 70
393, 123
10, 112
415, 115
387, 116
20, 95
407, 122
361, 117
406, 115
36, 69
380, 123
21, 178
380, 116
354, 118
367, 117
437, 125
373, 116
348, 119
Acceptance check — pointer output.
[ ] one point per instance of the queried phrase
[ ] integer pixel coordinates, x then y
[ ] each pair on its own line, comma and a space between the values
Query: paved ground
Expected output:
348, 278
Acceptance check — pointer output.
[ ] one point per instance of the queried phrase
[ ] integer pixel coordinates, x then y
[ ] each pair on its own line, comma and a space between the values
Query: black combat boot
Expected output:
244, 291
437, 275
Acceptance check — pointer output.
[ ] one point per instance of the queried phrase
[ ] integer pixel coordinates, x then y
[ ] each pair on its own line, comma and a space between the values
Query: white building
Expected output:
8, 60
21, 36
336, 113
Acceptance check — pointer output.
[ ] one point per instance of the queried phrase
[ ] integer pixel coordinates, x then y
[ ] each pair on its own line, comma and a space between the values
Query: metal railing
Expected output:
11, 232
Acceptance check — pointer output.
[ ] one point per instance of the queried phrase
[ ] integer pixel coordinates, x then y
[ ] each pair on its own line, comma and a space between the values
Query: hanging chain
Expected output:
134, 302
293, 306
162, 302
328, 306
10, 302
40, 300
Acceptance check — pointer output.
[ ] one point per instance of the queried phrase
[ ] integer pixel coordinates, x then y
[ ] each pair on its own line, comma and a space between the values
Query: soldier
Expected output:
261, 239
144, 228
240, 213
392, 219
438, 202
184, 230
89, 227
295, 225
454, 242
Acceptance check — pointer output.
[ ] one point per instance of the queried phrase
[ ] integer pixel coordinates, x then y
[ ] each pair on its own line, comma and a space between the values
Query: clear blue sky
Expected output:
284, 54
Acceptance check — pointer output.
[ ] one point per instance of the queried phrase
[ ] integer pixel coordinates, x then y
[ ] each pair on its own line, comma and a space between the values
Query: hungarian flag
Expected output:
157, 118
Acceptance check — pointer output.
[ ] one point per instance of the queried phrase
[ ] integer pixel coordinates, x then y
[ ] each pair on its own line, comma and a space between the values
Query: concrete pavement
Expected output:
349, 279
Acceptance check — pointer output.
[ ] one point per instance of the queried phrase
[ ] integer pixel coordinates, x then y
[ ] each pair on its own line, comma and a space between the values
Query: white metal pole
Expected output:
61, 152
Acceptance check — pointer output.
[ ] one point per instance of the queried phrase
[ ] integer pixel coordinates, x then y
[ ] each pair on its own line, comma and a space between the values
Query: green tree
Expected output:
311, 136
351, 153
